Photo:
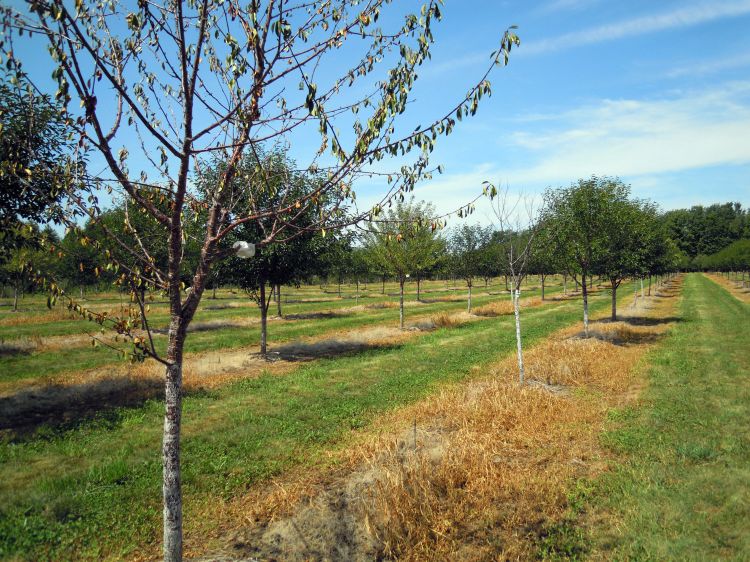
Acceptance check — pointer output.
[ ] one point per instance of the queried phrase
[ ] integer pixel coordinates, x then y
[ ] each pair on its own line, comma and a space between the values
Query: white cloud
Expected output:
704, 68
640, 141
565, 5
682, 17
652, 144
635, 138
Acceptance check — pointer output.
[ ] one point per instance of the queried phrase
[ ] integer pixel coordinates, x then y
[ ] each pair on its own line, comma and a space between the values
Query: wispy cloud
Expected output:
456, 63
711, 67
640, 141
683, 17
565, 5
634, 137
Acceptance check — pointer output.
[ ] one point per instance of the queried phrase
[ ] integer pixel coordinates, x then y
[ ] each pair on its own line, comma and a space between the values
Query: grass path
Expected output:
95, 490
682, 490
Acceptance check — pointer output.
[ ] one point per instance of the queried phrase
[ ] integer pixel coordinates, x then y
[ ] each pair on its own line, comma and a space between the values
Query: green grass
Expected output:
682, 488
94, 490
39, 365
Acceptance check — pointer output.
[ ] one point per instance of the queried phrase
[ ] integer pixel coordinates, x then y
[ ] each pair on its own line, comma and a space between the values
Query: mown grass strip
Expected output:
682, 488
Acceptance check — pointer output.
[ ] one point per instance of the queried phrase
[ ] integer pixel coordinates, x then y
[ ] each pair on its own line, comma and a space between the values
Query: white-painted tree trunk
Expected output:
519, 348
468, 309
263, 320
585, 306
401, 305
643, 295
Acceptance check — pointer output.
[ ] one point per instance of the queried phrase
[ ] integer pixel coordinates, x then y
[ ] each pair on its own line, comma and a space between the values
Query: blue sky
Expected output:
657, 93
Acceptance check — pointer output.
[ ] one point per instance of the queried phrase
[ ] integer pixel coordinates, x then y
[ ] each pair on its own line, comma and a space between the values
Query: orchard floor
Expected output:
482, 469
365, 442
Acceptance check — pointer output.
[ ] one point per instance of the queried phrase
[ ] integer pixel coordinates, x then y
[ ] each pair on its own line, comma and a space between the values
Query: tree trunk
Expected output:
80, 287
519, 348
565, 284
383, 290
339, 286
543, 276
15, 297
214, 289
357, 301
401, 305
506, 284
649, 285
278, 300
419, 295
263, 319
171, 482
642, 293
468, 309
143, 301
614, 301
585, 306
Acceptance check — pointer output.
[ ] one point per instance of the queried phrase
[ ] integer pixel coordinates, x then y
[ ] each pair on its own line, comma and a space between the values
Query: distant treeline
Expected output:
709, 237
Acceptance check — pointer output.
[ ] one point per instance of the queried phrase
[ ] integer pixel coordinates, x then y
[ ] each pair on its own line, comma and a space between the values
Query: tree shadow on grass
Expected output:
621, 337
207, 326
33, 412
62, 407
642, 320
315, 315
327, 349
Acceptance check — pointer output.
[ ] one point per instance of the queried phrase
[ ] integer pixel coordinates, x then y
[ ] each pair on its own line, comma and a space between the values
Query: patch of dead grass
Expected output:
501, 308
477, 471
447, 320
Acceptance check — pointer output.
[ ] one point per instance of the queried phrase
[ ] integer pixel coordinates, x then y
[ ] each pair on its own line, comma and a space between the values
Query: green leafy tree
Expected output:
626, 237
467, 249
580, 216
80, 263
403, 241
279, 263
34, 141
544, 260
706, 230
28, 254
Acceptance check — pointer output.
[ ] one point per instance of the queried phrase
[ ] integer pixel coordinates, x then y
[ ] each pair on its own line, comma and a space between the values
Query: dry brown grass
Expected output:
489, 467
735, 288
446, 320
500, 308
54, 315
493, 471
384, 304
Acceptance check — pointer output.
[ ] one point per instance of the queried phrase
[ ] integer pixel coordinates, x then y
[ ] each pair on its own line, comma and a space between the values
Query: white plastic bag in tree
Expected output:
244, 249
